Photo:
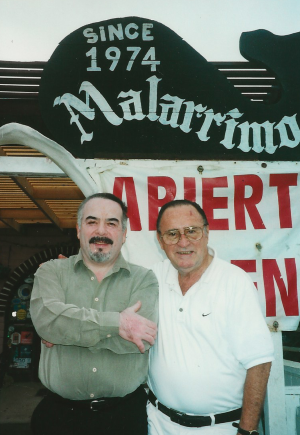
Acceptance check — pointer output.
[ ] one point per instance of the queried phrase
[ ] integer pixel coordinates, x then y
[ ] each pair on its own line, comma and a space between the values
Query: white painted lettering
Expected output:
128, 33
173, 108
209, 118
70, 101
291, 122
135, 101
230, 127
102, 33
256, 137
146, 32
92, 37
113, 31
153, 98
190, 109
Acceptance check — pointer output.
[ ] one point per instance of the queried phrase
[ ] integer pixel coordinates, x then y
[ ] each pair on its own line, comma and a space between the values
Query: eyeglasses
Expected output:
171, 237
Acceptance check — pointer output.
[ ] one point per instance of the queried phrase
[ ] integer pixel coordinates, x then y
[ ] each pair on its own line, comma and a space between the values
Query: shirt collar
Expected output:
209, 273
120, 263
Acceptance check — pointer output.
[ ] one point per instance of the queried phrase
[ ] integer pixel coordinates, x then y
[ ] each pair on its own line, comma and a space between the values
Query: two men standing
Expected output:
213, 350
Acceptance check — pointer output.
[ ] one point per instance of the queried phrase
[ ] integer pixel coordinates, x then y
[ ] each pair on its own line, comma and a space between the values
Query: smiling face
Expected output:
186, 256
101, 235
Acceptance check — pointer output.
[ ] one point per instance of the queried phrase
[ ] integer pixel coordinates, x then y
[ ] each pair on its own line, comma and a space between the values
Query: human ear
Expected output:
158, 236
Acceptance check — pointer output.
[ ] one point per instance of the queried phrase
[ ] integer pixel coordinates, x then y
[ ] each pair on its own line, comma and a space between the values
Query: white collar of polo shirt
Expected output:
172, 276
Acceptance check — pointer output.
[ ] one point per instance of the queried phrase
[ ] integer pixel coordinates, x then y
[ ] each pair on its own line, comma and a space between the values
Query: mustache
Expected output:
101, 239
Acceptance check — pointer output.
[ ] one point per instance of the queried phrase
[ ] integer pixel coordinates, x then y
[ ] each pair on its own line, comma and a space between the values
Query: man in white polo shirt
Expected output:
213, 353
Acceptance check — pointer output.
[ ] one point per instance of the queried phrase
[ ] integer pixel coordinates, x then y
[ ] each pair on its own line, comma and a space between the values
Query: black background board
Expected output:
182, 73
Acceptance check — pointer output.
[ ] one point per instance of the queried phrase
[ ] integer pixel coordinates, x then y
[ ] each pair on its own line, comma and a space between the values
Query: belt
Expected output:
93, 405
194, 420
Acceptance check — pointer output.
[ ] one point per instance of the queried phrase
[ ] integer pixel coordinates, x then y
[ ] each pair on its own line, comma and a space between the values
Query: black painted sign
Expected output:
133, 87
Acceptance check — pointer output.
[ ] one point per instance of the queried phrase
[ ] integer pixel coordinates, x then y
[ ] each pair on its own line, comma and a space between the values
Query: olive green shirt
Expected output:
71, 309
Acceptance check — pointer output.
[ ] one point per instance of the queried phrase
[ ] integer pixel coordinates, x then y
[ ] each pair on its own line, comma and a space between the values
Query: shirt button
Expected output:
108, 335
180, 309
96, 299
94, 369
92, 278
92, 395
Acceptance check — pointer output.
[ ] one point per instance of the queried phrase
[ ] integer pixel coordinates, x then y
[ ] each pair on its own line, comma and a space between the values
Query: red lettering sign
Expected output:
210, 203
153, 201
289, 295
282, 182
241, 203
248, 266
133, 209
189, 184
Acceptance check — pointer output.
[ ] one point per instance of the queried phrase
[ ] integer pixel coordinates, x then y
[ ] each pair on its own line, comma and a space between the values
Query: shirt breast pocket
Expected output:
116, 303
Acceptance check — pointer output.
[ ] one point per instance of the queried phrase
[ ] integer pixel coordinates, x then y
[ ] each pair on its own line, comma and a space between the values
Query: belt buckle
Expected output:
95, 401
187, 420
176, 416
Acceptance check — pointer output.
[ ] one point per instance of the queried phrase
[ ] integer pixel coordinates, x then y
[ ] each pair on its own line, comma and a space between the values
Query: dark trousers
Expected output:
127, 417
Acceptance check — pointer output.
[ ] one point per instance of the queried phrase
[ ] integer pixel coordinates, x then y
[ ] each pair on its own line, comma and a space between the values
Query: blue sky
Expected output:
31, 29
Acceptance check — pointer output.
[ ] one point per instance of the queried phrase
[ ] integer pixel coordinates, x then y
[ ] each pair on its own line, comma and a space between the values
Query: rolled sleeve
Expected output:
250, 337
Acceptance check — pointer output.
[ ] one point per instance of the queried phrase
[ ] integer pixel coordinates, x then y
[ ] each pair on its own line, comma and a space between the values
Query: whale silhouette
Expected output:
132, 85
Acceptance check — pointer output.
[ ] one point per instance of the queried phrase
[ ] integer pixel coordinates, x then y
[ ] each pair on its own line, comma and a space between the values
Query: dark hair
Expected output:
109, 196
177, 203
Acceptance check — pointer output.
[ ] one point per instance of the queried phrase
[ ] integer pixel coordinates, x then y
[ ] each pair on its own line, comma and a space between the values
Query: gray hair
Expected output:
178, 203
109, 196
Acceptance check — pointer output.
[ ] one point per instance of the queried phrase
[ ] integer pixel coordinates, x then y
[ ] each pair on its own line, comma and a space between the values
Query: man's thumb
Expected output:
137, 306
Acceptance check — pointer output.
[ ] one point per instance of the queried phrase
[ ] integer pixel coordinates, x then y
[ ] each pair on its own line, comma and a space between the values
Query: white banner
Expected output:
252, 208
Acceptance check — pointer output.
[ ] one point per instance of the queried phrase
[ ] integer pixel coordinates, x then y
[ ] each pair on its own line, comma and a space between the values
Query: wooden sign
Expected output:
133, 87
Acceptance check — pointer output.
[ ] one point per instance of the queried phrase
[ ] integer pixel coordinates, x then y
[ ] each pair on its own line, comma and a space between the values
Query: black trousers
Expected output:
128, 417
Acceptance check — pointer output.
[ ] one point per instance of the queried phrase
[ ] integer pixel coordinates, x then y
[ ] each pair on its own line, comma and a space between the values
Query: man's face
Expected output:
101, 235
186, 255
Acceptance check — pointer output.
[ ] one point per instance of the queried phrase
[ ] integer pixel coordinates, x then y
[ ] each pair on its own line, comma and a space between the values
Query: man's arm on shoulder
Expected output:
254, 395
138, 323
60, 323
133, 328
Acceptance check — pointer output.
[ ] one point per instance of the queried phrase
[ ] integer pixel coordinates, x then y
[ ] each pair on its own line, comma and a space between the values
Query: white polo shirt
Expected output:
207, 339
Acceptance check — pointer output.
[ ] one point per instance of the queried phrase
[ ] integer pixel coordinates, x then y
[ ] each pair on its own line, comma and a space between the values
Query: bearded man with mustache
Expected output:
97, 315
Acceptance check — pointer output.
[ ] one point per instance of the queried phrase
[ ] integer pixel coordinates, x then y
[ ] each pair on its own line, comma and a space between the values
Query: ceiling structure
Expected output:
44, 200
36, 200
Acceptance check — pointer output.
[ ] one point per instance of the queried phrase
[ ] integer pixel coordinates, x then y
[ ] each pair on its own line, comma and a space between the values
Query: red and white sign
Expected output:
26, 337
252, 208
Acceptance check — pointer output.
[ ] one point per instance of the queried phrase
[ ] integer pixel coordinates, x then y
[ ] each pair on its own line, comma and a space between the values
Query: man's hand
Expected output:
136, 328
47, 343
60, 257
